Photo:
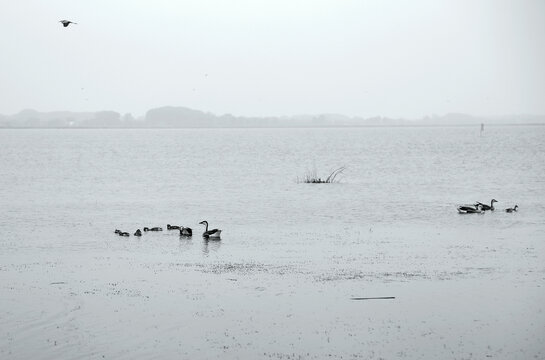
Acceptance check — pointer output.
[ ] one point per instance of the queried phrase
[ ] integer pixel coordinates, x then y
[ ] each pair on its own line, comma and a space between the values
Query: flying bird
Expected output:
65, 23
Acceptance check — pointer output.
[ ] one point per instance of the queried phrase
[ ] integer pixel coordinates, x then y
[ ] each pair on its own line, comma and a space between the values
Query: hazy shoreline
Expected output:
269, 127
170, 117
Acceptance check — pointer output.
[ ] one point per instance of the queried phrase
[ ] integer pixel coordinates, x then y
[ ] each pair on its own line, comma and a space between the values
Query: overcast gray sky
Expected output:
275, 57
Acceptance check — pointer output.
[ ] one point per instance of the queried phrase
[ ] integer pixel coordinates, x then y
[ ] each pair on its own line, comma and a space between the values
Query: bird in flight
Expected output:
65, 23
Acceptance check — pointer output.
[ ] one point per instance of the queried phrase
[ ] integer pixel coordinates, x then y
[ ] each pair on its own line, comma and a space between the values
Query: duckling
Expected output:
172, 227
185, 231
513, 209
214, 233
138, 233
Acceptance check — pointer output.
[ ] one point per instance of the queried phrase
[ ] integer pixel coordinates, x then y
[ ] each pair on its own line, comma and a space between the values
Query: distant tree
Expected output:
127, 117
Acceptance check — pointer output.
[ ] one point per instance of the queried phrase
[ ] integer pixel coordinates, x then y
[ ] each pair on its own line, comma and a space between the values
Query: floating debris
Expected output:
373, 298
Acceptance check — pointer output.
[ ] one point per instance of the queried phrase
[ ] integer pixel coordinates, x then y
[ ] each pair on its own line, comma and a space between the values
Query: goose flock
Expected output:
184, 231
480, 208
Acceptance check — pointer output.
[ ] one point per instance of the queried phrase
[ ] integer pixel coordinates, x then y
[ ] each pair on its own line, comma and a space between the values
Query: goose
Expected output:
185, 231
124, 234
470, 209
172, 227
513, 209
138, 233
214, 233
486, 207
65, 23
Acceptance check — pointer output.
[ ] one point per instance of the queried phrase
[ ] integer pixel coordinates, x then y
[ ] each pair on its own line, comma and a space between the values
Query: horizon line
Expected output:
432, 115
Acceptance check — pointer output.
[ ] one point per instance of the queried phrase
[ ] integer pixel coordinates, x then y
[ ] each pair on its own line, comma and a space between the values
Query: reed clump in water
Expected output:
311, 177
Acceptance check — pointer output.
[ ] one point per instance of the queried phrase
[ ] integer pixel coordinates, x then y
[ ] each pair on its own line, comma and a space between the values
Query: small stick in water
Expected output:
373, 298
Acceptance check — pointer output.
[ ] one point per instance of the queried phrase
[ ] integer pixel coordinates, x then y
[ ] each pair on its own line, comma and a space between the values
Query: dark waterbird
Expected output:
469, 209
173, 227
513, 209
138, 233
486, 207
65, 23
153, 229
185, 231
214, 233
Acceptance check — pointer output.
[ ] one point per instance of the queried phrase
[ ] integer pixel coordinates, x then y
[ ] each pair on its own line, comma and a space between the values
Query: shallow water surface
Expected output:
279, 284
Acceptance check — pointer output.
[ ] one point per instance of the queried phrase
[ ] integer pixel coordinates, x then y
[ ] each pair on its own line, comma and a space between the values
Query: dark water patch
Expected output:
308, 355
403, 276
242, 268
371, 276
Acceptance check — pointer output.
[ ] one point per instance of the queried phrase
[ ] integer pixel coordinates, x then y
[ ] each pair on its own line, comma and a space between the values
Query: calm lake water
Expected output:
279, 284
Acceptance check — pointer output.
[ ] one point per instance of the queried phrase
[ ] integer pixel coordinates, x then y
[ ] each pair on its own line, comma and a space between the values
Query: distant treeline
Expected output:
182, 117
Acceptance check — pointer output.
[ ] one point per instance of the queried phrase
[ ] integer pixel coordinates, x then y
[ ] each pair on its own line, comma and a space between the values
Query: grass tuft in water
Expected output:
311, 177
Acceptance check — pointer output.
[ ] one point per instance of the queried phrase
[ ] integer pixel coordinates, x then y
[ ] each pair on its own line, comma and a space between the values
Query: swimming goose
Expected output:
138, 233
470, 209
185, 231
214, 233
172, 227
513, 209
486, 207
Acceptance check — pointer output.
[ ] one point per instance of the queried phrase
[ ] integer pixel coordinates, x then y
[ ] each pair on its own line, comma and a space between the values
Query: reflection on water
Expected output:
210, 245
185, 243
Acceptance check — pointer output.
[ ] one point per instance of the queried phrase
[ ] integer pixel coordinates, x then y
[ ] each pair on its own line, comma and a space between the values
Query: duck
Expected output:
486, 207
124, 233
470, 209
172, 227
138, 233
185, 231
157, 228
214, 233
513, 209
